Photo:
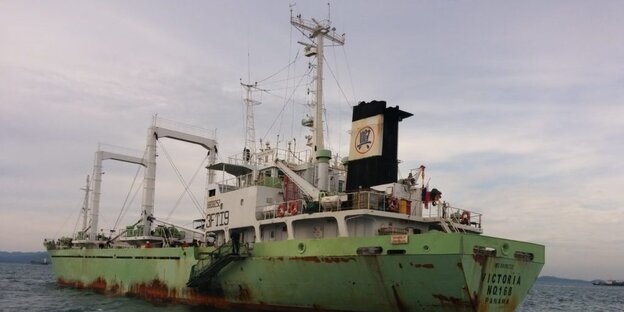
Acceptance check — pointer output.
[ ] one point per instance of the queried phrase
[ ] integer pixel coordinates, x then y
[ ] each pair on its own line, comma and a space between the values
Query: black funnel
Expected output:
374, 145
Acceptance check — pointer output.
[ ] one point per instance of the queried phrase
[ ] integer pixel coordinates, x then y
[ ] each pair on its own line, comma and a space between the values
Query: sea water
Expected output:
27, 287
573, 297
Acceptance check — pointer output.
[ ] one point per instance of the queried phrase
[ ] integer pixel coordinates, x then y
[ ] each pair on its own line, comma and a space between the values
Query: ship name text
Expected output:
499, 287
220, 218
214, 204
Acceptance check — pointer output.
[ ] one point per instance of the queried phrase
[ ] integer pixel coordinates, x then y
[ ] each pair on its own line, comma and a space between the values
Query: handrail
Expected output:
268, 157
377, 201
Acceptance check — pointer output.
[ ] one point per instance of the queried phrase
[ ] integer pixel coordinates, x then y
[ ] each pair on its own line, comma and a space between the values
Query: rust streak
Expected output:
74, 284
316, 259
99, 285
308, 259
397, 298
154, 290
158, 292
206, 299
337, 259
115, 289
244, 294
451, 301
474, 299
480, 259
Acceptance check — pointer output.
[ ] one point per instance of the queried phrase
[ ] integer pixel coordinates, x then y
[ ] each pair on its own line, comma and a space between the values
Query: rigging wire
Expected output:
65, 222
339, 110
329, 144
268, 92
76, 225
69, 217
304, 35
284, 106
136, 192
280, 81
288, 66
282, 69
181, 178
123, 207
201, 165
292, 120
344, 50
339, 86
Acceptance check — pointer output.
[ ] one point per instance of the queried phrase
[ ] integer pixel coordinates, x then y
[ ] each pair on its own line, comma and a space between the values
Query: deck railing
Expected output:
247, 180
268, 156
374, 201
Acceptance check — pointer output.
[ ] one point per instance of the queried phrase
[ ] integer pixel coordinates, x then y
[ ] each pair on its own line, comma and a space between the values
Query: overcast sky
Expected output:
518, 106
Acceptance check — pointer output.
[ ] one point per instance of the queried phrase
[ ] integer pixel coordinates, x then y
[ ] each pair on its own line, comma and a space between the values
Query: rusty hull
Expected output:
448, 275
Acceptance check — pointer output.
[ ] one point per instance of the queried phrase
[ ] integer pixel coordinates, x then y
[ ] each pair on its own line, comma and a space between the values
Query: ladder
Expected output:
206, 269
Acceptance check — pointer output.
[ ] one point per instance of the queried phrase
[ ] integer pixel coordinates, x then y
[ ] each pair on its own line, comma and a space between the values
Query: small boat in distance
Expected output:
42, 262
608, 283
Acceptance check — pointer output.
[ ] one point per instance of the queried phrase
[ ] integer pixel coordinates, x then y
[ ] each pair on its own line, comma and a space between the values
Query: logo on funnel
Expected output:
364, 140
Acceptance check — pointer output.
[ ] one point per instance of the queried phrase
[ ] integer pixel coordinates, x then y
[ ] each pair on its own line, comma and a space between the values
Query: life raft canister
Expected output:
281, 210
293, 207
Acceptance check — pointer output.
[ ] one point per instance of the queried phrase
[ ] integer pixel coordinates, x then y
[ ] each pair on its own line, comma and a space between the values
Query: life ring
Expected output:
465, 217
281, 210
293, 207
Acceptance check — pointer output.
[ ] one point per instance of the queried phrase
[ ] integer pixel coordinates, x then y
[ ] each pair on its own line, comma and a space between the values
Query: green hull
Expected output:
428, 272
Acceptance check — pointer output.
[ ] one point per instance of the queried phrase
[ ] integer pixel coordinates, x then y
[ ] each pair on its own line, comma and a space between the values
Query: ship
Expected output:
608, 283
40, 262
291, 230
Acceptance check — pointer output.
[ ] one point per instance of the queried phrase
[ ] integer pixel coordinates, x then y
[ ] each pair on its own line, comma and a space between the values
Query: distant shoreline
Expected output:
559, 280
22, 257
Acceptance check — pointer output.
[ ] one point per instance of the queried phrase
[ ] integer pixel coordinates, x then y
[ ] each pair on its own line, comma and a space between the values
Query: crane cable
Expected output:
131, 201
181, 178
284, 106
124, 206
201, 165
344, 50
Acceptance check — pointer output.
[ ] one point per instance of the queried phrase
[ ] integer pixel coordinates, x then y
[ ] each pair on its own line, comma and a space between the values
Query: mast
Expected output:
250, 129
317, 32
85, 207
95, 201
149, 179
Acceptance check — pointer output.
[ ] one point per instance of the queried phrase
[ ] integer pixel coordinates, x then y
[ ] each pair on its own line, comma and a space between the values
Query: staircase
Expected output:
206, 269
449, 227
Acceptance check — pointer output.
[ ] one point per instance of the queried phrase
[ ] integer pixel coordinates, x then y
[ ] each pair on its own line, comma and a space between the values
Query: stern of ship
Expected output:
499, 272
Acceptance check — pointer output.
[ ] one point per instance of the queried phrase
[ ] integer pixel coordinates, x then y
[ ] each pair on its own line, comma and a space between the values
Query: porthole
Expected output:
301, 247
